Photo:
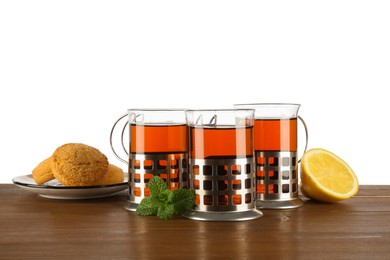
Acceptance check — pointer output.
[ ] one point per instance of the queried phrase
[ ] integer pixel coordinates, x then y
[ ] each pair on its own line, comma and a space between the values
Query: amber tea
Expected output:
275, 134
158, 138
211, 142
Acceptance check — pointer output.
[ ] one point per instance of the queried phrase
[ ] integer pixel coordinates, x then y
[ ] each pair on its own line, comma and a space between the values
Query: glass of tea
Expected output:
221, 164
276, 154
158, 144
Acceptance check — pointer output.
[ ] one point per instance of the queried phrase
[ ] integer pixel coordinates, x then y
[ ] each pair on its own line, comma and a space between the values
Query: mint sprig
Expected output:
164, 202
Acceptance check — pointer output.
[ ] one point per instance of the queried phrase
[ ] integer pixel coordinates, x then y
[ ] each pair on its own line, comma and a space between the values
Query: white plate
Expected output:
54, 190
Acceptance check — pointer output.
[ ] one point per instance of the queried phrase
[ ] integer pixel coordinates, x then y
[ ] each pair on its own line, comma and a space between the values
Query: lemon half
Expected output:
326, 177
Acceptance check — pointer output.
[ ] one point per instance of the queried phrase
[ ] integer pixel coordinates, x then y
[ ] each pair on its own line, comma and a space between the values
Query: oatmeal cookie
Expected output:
76, 164
42, 173
114, 175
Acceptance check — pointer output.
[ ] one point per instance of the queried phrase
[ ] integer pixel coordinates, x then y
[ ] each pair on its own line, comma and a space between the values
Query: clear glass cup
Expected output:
221, 164
158, 144
276, 154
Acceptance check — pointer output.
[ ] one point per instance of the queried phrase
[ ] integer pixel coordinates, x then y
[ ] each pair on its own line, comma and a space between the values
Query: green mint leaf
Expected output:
164, 202
165, 196
157, 185
165, 212
182, 200
148, 206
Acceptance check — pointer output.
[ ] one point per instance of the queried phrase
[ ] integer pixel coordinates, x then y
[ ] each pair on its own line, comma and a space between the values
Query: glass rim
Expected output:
267, 104
158, 109
220, 110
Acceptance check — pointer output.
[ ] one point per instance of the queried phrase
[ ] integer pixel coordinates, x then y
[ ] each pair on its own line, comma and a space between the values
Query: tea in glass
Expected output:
275, 143
221, 164
158, 145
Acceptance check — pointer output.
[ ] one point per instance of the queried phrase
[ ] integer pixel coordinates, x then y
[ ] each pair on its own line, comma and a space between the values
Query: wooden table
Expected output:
39, 228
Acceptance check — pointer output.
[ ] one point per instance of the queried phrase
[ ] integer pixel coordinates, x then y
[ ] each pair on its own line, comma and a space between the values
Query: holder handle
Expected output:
306, 133
123, 146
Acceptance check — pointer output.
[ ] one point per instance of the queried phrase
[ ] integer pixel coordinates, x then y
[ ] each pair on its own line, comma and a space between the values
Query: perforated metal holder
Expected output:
224, 189
277, 180
171, 167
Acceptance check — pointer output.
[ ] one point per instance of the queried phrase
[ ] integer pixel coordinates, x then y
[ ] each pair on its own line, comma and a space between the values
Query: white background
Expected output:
69, 69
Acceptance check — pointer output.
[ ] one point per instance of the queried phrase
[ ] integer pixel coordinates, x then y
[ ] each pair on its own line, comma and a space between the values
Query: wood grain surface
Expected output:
32, 227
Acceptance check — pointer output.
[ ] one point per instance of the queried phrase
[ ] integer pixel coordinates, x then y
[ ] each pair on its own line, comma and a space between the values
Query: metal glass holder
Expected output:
171, 167
277, 180
224, 189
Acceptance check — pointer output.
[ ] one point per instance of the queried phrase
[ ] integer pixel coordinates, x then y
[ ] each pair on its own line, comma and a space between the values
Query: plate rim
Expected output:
37, 186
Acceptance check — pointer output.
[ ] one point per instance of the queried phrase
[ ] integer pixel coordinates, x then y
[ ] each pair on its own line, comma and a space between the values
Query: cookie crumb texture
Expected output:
76, 164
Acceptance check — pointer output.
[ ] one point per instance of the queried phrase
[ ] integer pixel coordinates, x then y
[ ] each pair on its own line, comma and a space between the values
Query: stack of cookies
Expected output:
76, 164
